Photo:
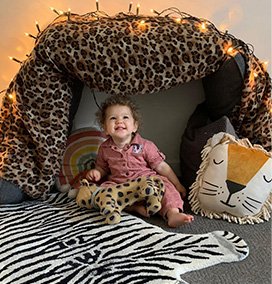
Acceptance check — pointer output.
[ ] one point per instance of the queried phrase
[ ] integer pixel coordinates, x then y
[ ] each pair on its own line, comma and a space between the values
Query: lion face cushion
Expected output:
234, 181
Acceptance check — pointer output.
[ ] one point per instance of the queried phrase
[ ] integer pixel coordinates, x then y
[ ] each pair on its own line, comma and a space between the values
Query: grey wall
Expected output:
165, 115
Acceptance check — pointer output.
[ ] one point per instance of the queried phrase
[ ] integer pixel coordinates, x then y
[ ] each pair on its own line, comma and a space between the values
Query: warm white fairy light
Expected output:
231, 51
37, 26
265, 64
30, 35
252, 77
15, 59
68, 13
203, 27
11, 97
137, 9
54, 10
130, 7
143, 25
154, 11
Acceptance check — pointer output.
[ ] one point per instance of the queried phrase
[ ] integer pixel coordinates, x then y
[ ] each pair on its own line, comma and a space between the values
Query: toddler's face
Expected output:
119, 123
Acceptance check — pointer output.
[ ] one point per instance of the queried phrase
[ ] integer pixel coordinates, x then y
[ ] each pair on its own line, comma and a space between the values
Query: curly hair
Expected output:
123, 100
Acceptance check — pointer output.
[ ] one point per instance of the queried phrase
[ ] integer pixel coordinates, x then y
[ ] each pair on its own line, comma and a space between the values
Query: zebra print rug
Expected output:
57, 242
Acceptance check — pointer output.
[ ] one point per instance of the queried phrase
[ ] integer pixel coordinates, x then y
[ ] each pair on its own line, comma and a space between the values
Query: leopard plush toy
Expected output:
112, 200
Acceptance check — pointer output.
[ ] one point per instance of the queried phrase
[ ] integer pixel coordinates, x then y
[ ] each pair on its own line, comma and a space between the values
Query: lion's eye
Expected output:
218, 163
267, 180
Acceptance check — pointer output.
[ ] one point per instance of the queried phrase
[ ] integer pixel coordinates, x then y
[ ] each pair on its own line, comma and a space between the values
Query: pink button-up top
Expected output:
134, 160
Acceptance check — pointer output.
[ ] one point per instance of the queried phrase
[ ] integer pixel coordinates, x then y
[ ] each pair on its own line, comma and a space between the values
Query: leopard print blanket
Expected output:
122, 54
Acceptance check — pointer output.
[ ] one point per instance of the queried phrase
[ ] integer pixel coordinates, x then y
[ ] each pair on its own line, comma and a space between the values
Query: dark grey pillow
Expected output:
223, 88
198, 130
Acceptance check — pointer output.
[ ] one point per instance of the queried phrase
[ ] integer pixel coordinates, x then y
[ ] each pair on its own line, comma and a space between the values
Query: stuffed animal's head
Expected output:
85, 194
234, 181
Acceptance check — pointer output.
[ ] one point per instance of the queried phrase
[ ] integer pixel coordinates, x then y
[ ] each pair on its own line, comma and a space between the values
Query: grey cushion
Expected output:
223, 88
198, 130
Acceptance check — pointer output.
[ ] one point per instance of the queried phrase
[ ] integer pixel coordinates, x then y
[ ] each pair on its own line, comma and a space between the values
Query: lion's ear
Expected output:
221, 138
234, 181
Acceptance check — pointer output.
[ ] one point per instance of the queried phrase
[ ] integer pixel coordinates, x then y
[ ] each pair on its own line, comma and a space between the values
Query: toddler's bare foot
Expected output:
140, 209
176, 218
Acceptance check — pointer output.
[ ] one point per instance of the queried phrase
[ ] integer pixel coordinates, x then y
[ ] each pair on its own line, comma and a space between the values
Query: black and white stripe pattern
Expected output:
57, 242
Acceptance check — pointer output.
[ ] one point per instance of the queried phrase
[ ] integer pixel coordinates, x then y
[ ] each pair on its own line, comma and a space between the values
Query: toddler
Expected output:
126, 155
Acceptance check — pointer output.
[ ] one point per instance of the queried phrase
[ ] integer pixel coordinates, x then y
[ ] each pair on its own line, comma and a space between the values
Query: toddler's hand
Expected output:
181, 189
93, 175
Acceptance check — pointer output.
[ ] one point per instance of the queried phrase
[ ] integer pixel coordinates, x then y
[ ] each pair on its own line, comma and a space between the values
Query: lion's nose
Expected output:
234, 187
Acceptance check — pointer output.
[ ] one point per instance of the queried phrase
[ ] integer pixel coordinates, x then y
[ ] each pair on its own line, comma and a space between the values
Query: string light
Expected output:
137, 9
30, 35
15, 59
11, 97
231, 51
37, 26
265, 64
183, 18
68, 14
251, 78
154, 12
142, 25
130, 7
97, 5
203, 27
54, 10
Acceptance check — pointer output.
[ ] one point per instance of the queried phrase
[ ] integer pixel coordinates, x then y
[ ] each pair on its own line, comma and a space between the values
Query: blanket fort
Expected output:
127, 53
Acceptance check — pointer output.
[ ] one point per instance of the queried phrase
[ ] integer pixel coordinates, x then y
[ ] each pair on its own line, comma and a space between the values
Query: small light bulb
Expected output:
203, 27
230, 50
265, 64
30, 35
11, 96
154, 11
37, 26
137, 9
14, 59
130, 6
54, 10
68, 13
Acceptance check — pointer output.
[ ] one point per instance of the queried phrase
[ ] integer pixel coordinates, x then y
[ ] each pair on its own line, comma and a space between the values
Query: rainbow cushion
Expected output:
80, 153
